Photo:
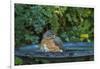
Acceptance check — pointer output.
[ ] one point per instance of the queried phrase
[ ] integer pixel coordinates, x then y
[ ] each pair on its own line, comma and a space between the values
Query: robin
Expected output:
51, 43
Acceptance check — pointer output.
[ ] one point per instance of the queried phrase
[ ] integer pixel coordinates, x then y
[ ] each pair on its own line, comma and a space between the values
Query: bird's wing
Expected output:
58, 42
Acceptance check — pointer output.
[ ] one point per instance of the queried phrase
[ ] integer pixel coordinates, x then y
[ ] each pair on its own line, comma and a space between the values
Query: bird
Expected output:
51, 43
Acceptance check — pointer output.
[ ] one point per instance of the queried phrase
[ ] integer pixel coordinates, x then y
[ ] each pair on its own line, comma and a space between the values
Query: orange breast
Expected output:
50, 45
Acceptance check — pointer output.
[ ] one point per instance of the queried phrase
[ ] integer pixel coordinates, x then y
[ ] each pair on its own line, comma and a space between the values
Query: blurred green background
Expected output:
71, 24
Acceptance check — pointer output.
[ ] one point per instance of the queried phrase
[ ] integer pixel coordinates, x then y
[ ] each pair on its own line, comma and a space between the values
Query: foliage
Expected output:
18, 61
67, 22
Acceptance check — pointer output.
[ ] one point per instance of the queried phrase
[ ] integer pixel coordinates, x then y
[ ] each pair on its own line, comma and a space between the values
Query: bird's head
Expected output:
49, 34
